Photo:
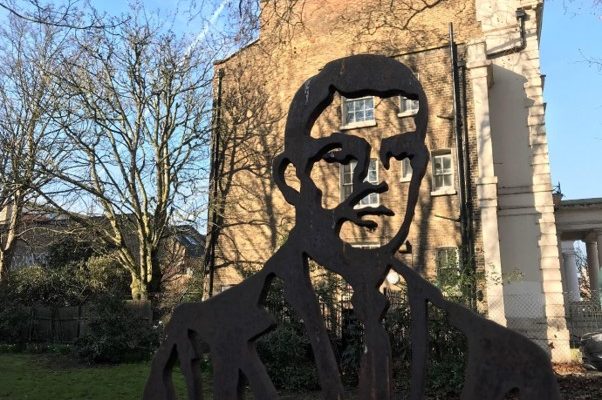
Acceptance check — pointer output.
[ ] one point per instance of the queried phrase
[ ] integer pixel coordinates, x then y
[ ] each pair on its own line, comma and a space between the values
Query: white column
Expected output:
593, 266
599, 241
570, 271
480, 78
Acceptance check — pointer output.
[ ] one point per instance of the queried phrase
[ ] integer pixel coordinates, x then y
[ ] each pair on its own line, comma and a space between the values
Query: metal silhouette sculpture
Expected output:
227, 325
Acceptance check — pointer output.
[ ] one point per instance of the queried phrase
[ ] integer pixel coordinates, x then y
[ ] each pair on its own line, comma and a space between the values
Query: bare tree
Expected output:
578, 7
28, 98
137, 127
585, 291
71, 14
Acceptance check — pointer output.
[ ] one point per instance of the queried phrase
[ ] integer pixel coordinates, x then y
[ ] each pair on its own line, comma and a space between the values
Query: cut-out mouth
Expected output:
368, 223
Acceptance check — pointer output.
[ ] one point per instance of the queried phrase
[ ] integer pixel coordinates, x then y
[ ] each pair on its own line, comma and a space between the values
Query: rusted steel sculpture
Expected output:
228, 324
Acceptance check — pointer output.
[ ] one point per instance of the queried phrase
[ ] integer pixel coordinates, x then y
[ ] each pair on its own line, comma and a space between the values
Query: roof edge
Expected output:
594, 201
235, 52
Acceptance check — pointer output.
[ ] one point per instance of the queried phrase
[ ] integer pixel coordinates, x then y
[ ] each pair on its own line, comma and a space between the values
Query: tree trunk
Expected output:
144, 285
7, 250
6, 256
136, 287
156, 275
4, 263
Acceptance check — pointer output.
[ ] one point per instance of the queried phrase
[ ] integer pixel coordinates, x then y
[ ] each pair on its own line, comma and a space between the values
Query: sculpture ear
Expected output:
279, 165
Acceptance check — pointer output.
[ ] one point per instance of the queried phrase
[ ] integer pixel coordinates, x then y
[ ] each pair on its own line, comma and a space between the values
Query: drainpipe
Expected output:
209, 259
521, 17
461, 142
466, 163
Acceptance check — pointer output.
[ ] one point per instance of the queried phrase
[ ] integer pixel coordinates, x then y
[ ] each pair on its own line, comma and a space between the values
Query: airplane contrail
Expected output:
207, 26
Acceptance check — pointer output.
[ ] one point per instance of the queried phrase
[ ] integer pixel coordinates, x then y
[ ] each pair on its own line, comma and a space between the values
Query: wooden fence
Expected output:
67, 324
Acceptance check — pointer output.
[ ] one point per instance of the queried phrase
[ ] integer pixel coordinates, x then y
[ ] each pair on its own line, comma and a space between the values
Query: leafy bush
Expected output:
73, 275
350, 347
287, 355
69, 285
116, 334
286, 352
447, 356
104, 275
289, 359
68, 250
15, 322
447, 352
39, 285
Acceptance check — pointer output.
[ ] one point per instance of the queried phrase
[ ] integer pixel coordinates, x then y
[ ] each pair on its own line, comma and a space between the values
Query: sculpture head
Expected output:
352, 77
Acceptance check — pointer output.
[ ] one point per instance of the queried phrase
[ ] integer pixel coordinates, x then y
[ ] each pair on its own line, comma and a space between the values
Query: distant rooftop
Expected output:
581, 202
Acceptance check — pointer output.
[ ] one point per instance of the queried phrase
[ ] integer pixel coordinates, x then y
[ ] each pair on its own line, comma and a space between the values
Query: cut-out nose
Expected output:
373, 187
381, 187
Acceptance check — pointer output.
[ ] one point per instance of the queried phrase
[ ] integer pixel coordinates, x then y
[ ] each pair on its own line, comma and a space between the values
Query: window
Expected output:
406, 170
358, 112
407, 106
448, 269
346, 178
443, 175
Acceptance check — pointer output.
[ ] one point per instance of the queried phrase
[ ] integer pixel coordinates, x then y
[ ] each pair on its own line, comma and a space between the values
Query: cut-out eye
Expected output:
290, 176
334, 155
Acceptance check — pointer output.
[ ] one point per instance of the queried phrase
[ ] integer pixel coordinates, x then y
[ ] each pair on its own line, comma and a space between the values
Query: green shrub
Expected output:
68, 285
289, 359
446, 357
68, 250
397, 324
73, 276
287, 355
104, 275
115, 334
350, 348
286, 351
38, 285
15, 323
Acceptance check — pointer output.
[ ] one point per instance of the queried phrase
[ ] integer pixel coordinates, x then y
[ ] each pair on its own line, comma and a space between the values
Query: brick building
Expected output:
486, 201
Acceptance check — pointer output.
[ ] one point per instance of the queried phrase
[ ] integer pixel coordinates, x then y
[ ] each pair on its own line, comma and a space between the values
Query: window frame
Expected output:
405, 166
455, 290
342, 183
408, 112
443, 190
356, 124
405, 111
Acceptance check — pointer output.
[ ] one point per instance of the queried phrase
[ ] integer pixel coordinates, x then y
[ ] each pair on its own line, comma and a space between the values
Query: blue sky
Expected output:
572, 33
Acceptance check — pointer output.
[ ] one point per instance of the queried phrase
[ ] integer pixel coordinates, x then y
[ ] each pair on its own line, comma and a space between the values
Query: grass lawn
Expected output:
54, 377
